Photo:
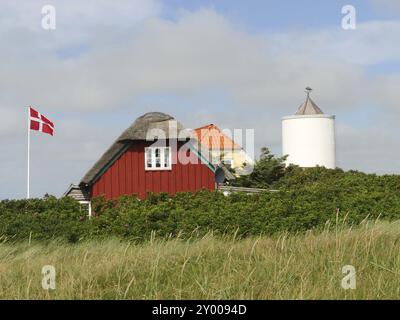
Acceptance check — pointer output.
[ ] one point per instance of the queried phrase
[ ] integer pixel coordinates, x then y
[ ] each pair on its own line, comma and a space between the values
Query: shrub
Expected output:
306, 199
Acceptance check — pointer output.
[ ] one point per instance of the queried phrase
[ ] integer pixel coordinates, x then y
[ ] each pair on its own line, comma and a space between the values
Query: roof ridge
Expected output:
206, 126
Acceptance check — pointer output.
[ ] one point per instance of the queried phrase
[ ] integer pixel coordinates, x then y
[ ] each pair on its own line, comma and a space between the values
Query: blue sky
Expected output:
267, 15
259, 16
238, 64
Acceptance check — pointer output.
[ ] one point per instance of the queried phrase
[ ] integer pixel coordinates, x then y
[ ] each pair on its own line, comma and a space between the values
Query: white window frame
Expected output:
153, 159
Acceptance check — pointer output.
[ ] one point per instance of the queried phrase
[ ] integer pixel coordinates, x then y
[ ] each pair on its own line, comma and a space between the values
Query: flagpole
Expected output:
29, 147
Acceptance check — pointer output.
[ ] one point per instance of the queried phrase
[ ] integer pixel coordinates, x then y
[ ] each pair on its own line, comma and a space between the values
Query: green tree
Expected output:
267, 170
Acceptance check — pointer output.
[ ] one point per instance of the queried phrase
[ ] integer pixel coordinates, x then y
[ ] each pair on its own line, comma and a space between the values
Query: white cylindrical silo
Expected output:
308, 137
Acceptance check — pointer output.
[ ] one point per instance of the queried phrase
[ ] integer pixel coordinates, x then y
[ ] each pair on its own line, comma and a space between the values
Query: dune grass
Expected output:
304, 266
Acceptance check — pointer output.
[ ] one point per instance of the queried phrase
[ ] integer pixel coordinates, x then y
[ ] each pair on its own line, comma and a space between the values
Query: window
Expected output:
157, 158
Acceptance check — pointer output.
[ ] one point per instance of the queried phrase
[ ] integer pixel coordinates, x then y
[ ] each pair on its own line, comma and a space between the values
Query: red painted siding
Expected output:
127, 175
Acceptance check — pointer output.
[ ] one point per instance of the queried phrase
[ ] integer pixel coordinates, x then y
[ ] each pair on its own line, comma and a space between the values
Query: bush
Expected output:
42, 218
306, 199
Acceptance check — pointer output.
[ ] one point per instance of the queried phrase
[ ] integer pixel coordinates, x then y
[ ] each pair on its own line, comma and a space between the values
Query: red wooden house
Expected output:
134, 164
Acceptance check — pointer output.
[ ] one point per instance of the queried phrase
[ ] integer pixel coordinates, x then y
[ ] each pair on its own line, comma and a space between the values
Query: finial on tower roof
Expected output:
308, 91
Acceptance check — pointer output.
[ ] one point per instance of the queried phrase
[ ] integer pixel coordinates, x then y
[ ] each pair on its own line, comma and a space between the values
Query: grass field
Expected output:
307, 266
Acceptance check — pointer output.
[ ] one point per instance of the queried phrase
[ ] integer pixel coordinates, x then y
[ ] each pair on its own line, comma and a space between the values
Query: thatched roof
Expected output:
151, 120
141, 129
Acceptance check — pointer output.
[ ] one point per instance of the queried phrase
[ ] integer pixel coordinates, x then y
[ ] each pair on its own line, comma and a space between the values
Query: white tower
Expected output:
308, 137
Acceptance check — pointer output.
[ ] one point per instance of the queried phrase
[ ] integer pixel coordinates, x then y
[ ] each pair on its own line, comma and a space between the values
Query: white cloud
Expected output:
370, 43
372, 149
10, 121
386, 89
201, 50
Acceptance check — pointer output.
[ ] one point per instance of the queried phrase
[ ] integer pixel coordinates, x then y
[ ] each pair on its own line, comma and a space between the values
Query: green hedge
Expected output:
41, 218
306, 199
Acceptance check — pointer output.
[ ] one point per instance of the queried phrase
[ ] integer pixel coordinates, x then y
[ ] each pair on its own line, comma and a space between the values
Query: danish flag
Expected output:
39, 122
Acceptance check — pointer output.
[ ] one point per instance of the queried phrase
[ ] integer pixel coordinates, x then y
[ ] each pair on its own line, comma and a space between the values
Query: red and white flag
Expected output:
39, 122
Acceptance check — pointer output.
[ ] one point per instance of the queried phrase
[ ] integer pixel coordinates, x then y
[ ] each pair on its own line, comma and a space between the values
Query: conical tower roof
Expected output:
309, 107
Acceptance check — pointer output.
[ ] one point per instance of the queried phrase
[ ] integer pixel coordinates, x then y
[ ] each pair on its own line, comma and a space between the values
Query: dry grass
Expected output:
283, 267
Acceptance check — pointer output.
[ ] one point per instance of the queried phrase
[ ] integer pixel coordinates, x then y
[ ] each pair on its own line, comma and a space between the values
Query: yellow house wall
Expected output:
238, 157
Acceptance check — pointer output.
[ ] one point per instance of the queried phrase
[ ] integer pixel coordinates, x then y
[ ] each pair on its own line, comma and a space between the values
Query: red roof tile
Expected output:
213, 138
